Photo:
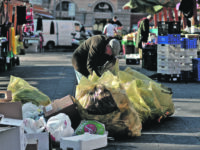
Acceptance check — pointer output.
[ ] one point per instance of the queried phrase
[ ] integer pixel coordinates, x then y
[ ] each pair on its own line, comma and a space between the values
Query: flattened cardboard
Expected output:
11, 110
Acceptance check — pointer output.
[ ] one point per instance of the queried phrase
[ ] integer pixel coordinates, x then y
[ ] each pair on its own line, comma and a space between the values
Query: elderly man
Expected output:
93, 53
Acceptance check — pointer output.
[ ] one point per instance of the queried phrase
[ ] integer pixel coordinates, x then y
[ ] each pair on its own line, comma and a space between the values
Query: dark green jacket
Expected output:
143, 33
90, 55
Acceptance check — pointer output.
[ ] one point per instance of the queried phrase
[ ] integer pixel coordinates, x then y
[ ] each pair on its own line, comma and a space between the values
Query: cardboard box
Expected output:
5, 96
42, 138
12, 134
11, 110
32, 144
64, 105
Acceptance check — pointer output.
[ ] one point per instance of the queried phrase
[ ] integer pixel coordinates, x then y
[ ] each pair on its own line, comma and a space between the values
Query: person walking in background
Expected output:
109, 29
41, 42
82, 31
143, 33
116, 22
94, 53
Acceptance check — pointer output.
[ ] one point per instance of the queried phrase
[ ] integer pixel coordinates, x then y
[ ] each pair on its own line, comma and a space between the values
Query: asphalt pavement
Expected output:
53, 74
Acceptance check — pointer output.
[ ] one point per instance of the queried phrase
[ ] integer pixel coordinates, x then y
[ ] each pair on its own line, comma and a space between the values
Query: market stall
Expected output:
171, 50
12, 17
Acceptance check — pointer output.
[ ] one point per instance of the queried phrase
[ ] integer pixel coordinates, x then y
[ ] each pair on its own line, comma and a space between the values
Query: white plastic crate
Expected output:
179, 53
169, 71
186, 60
168, 47
163, 48
186, 66
164, 52
163, 62
190, 52
168, 64
167, 56
132, 56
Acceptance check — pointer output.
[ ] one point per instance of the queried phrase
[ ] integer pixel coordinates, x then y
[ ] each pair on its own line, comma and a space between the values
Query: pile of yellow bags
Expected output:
138, 98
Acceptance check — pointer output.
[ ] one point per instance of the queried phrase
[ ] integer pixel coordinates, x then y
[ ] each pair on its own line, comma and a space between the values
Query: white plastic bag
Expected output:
30, 110
34, 126
59, 126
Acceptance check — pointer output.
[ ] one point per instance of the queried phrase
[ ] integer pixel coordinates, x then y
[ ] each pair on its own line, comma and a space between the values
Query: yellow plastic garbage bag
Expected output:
24, 92
164, 97
19, 44
150, 99
121, 122
137, 75
134, 92
110, 81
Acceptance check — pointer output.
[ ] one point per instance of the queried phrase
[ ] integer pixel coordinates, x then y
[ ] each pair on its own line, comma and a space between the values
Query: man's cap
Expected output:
115, 46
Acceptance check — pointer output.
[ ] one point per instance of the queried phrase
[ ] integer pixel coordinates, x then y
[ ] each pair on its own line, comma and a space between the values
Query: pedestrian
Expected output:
82, 31
143, 33
41, 42
109, 29
94, 53
116, 22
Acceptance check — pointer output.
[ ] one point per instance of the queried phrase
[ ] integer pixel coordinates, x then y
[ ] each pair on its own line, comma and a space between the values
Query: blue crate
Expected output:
163, 39
189, 43
174, 38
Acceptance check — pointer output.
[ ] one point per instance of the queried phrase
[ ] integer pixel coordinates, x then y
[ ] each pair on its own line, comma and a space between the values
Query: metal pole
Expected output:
54, 12
60, 7
7, 13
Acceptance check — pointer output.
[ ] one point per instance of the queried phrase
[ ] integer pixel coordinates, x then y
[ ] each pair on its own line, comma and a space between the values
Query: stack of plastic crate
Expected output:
189, 51
169, 48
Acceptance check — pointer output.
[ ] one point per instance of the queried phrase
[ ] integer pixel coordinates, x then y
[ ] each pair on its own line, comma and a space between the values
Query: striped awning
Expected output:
149, 6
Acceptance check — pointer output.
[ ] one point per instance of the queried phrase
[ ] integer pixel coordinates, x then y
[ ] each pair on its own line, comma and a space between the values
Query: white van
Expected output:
62, 32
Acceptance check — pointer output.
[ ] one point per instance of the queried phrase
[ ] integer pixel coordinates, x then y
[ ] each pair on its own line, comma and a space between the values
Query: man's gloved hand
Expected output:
107, 66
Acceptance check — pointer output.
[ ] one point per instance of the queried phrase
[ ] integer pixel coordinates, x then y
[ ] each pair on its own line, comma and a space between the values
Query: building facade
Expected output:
92, 13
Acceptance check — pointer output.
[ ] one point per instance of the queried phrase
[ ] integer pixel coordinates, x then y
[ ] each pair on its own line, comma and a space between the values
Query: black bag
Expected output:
100, 101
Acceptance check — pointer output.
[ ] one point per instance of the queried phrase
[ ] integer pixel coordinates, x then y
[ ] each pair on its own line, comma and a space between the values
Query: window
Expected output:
65, 6
103, 7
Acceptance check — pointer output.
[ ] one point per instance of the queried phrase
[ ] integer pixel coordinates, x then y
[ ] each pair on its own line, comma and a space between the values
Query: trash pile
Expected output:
116, 104
123, 100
